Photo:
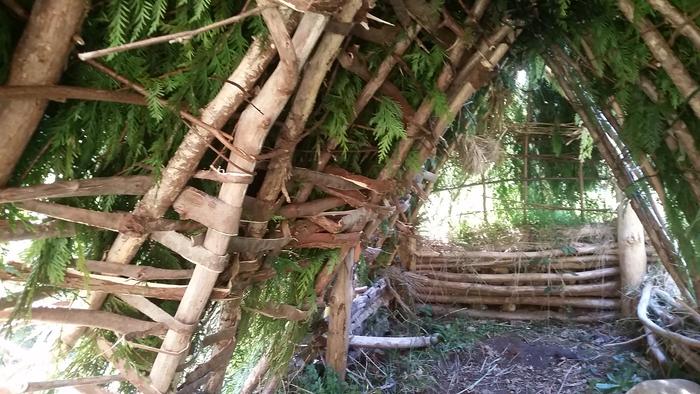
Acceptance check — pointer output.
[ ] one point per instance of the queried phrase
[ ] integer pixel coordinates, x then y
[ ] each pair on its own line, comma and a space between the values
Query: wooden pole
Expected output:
339, 323
632, 254
31, 387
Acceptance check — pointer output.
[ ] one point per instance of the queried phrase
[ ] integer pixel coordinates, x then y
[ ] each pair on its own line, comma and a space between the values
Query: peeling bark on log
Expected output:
210, 211
39, 59
392, 342
576, 302
49, 229
109, 321
118, 185
311, 208
523, 315
256, 375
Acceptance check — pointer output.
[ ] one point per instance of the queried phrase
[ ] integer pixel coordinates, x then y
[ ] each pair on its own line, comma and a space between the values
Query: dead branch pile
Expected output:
672, 329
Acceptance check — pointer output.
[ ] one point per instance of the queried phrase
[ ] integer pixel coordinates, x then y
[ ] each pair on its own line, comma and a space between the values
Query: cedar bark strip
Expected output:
122, 325
184, 162
663, 53
39, 59
577, 302
392, 342
123, 222
121, 185
250, 132
49, 229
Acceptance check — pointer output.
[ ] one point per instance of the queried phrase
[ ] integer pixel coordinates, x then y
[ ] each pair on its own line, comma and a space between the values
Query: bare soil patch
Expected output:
480, 356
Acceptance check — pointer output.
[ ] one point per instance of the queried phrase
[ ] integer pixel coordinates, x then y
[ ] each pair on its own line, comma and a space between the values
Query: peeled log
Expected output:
517, 278
393, 342
577, 302
477, 288
633, 255
39, 59
524, 315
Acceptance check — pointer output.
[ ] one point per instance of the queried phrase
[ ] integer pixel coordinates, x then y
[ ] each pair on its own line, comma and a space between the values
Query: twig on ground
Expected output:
563, 381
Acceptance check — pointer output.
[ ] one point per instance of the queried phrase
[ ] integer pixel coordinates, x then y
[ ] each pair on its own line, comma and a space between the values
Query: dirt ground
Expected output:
479, 356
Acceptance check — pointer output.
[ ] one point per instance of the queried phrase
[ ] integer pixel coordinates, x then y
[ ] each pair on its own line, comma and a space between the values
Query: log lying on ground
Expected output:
578, 249
49, 229
530, 266
431, 285
521, 315
577, 302
392, 342
605, 255
516, 278
109, 321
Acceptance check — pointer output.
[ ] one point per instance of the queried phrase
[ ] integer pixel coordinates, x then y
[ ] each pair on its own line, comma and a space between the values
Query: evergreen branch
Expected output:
175, 37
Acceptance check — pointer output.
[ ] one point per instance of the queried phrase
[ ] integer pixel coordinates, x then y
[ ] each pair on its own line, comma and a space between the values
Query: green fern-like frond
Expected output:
388, 126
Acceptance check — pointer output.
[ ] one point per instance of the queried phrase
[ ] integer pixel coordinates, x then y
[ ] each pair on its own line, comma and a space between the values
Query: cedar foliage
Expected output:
78, 139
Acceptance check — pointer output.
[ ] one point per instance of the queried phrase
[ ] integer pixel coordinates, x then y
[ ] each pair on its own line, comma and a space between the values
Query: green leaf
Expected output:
388, 126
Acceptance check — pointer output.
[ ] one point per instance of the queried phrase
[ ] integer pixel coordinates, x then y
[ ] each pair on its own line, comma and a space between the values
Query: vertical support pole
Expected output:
483, 199
526, 148
339, 319
581, 190
632, 254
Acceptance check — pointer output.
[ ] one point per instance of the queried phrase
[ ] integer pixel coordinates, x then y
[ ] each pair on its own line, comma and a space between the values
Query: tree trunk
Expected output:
39, 59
